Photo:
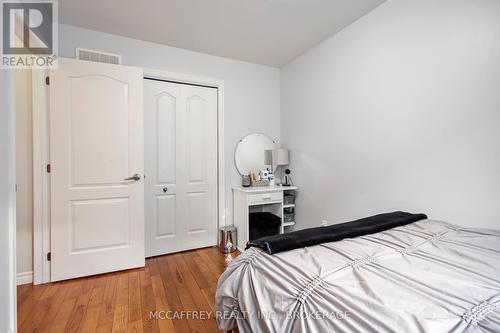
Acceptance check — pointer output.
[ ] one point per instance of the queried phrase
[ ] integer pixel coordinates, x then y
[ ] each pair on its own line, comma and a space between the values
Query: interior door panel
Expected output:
180, 166
96, 141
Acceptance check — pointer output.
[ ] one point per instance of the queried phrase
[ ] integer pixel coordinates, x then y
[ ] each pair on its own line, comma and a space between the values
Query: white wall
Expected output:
24, 170
399, 111
7, 206
252, 104
252, 92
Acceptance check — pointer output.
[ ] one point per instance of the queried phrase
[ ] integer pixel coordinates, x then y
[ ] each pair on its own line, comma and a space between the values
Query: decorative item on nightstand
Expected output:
260, 183
227, 237
287, 178
246, 181
258, 180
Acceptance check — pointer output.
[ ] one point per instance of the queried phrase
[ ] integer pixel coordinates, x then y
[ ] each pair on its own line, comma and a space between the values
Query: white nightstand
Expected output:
262, 199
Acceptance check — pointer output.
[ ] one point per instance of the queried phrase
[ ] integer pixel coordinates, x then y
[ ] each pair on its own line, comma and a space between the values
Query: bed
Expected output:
426, 276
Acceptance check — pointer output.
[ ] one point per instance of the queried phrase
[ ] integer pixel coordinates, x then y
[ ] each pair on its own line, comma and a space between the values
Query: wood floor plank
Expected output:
89, 324
135, 326
97, 296
120, 318
134, 299
209, 292
195, 292
152, 263
49, 300
23, 291
149, 324
183, 284
54, 307
90, 321
75, 289
120, 323
172, 296
195, 271
62, 316
29, 302
76, 318
209, 276
215, 267
185, 299
162, 305
107, 311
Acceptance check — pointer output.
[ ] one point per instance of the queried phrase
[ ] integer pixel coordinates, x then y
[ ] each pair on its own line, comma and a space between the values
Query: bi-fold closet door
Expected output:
180, 124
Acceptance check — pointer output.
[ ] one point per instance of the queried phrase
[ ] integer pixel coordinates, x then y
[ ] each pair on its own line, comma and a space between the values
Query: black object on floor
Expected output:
333, 233
263, 224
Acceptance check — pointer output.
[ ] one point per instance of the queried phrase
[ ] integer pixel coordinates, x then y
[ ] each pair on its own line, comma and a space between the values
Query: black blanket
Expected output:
333, 233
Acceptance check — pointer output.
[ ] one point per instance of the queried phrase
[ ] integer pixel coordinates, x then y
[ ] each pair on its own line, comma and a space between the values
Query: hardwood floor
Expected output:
122, 301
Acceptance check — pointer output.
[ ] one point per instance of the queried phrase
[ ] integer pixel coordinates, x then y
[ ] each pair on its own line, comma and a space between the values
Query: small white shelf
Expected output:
269, 199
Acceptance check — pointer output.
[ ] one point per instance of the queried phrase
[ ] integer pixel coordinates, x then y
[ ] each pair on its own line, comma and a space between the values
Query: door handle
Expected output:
135, 177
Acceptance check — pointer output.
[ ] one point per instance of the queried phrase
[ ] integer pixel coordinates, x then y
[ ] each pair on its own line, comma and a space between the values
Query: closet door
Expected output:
180, 166
96, 148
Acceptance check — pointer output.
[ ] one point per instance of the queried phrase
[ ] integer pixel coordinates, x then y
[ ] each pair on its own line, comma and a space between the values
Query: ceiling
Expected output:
268, 32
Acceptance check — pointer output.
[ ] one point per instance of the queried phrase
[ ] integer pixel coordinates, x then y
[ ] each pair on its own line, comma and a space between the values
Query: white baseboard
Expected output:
24, 278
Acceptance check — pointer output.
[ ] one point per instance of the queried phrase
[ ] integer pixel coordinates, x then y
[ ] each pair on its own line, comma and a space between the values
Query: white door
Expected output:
180, 166
96, 143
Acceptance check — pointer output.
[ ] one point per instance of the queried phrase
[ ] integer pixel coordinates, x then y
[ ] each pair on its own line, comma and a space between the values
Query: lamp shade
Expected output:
280, 157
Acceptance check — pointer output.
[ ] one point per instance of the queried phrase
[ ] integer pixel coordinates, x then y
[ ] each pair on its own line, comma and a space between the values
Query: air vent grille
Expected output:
97, 56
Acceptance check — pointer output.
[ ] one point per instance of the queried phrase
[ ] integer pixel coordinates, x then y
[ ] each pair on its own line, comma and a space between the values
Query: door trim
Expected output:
41, 157
41, 179
8, 215
212, 83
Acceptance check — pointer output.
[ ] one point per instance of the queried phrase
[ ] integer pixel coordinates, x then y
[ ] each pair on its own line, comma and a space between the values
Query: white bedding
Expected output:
428, 276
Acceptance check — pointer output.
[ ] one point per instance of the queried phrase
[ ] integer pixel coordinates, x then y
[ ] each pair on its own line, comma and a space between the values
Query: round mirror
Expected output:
250, 153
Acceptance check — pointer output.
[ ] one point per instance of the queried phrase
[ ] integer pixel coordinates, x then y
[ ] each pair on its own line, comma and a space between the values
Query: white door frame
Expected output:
8, 193
41, 178
41, 157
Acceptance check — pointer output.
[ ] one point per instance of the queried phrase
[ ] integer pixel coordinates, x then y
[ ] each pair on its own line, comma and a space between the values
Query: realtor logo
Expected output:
29, 34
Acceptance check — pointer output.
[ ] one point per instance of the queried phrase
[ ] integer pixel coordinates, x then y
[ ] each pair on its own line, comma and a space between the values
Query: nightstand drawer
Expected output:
264, 197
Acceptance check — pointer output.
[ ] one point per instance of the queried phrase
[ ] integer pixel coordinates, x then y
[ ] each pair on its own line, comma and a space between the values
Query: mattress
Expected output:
428, 276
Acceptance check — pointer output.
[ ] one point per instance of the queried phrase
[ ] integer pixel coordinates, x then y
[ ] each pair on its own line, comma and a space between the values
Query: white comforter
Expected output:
428, 276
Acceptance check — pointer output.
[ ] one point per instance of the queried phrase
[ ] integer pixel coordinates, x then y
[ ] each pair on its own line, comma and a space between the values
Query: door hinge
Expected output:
16, 188
48, 168
47, 80
49, 256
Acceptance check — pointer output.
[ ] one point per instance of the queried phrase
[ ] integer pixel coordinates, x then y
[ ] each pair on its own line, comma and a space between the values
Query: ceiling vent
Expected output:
97, 56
